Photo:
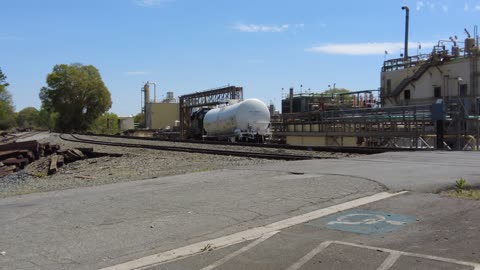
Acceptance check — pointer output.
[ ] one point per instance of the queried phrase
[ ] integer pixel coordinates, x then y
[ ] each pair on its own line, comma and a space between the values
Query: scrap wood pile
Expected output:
15, 156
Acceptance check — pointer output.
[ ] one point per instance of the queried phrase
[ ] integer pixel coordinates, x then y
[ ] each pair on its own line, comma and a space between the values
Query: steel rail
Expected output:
271, 156
23, 136
336, 149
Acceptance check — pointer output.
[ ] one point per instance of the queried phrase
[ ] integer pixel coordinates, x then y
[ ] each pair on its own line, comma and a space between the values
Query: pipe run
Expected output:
407, 19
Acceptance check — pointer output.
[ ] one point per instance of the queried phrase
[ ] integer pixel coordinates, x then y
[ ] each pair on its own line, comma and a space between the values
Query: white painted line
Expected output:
250, 234
309, 256
409, 254
240, 251
390, 261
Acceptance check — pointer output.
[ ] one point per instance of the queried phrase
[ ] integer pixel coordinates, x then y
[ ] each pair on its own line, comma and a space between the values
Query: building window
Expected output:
389, 86
406, 94
463, 90
437, 92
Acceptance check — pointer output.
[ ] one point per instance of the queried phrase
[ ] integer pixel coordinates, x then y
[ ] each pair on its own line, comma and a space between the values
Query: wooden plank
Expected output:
53, 164
6, 170
19, 162
17, 154
60, 161
70, 156
32, 146
79, 153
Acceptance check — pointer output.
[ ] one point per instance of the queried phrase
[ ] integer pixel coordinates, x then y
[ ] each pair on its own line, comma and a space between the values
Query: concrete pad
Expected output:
414, 171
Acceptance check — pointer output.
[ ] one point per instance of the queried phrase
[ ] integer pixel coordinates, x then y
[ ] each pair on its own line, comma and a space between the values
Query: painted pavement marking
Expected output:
389, 261
247, 235
364, 221
309, 256
240, 251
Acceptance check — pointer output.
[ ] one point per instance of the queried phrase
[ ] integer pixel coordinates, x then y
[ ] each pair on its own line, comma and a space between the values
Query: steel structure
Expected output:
403, 126
207, 98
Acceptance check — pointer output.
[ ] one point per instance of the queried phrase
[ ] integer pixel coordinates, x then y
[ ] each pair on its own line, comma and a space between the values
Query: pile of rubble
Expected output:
15, 156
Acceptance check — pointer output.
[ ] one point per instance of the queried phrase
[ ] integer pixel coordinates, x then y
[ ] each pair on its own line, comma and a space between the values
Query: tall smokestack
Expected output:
407, 19
291, 100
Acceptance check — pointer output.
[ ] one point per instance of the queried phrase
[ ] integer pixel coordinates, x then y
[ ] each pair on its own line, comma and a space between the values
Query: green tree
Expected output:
78, 94
7, 116
336, 91
106, 123
338, 96
140, 119
28, 118
46, 119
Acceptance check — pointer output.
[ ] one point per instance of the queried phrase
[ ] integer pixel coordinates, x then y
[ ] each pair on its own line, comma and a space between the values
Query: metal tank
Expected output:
469, 45
245, 119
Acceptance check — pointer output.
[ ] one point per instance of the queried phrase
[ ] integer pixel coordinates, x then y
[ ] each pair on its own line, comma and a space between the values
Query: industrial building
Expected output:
443, 74
160, 115
425, 101
126, 123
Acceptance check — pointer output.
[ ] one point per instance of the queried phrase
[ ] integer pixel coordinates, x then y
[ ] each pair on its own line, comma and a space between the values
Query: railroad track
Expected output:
273, 156
334, 149
14, 138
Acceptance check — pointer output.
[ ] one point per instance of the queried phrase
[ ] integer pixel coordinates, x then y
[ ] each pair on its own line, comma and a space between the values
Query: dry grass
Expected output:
471, 194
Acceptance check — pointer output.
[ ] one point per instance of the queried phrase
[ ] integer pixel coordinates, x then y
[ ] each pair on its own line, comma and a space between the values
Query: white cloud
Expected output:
366, 48
432, 5
445, 8
150, 3
420, 5
135, 73
256, 28
300, 26
466, 7
477, 7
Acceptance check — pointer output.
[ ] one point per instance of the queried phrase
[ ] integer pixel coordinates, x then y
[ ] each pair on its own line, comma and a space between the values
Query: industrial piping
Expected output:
407, 19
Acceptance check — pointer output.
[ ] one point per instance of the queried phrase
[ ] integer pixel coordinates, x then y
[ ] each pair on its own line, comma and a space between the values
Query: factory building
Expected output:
425, 101
125, 123
160, 115
423, 79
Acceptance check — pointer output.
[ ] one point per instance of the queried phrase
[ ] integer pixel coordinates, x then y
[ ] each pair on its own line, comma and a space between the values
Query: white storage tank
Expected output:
246, 118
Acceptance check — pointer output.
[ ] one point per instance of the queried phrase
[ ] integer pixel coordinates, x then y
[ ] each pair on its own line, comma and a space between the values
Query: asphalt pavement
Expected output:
436, 236
96, 227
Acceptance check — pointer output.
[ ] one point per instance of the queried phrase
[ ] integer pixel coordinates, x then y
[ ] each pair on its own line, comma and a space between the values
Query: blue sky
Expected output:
192, 45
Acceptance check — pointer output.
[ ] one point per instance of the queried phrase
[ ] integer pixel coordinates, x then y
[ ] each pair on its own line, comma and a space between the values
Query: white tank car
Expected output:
242, 120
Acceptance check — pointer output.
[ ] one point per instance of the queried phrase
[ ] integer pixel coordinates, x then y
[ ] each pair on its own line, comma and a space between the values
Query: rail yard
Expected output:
141, 159
384, 178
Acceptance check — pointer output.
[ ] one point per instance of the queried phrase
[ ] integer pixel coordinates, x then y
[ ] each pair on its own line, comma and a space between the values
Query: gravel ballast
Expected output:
134, 164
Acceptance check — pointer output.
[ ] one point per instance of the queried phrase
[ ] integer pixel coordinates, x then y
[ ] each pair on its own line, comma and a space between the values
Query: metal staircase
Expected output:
420, 71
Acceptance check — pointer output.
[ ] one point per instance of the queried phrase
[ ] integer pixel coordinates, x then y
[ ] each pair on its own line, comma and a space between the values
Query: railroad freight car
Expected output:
247, 120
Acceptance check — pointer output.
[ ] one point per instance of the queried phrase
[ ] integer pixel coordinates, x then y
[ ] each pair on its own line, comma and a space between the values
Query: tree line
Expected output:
75, 99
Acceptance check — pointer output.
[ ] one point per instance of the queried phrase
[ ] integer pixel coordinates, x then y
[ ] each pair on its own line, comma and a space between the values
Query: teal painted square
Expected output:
364, 222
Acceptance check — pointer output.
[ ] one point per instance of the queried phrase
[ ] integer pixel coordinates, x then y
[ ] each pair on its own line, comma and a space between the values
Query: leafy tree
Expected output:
78, 94
343, 99
107, 123
28, 118
336, 91
7, 116
46, 119
140, 119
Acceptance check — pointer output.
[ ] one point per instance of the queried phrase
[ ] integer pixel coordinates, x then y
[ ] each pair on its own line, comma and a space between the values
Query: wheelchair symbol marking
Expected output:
368, 219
